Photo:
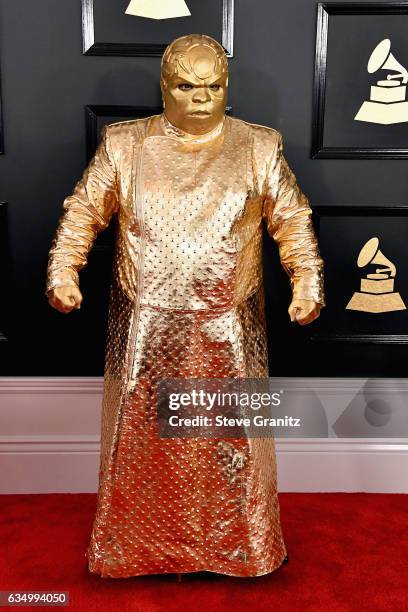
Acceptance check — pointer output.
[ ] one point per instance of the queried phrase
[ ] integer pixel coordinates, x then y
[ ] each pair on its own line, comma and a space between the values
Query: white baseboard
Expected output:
350, 465
49, 441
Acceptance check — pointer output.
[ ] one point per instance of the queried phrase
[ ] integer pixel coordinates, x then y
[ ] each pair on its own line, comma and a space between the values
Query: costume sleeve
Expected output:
288, 218
86, 212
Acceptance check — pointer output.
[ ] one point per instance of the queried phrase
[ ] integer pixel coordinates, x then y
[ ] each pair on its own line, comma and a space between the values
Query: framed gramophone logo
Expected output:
366, 273
360, 107
145, 27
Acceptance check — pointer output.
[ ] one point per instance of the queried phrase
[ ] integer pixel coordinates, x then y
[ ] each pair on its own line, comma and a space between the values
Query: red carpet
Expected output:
346, 552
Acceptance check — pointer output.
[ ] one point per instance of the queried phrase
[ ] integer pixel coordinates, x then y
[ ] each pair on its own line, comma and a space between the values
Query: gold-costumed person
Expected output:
190, 188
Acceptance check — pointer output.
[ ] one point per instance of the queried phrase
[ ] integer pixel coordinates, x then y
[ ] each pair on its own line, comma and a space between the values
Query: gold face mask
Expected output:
194, 83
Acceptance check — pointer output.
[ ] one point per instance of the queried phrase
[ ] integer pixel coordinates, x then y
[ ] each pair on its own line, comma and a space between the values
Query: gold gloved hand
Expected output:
304, 311
65, 298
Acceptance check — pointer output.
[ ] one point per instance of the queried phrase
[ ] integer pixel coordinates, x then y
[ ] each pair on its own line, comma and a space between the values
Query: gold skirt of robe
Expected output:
192, 504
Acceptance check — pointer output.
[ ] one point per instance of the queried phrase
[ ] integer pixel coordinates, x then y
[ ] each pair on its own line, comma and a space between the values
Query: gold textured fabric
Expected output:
186, 300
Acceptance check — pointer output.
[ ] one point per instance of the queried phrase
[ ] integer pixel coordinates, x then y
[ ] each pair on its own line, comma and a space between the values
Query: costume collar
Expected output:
174, 132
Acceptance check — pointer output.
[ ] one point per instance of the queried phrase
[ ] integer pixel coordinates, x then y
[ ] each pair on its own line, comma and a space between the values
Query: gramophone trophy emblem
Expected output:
377, 289
387, 102
158, 9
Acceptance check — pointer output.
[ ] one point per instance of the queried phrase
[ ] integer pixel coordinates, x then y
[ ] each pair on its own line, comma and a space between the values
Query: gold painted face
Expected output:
194, 82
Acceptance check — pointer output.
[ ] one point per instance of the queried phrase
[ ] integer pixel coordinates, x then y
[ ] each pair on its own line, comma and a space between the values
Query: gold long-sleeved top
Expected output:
186, 301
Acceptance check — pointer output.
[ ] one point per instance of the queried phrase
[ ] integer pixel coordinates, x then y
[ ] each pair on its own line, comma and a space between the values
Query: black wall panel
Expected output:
46, 84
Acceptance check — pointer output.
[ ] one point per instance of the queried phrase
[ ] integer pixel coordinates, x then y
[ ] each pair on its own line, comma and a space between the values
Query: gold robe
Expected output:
187, 300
